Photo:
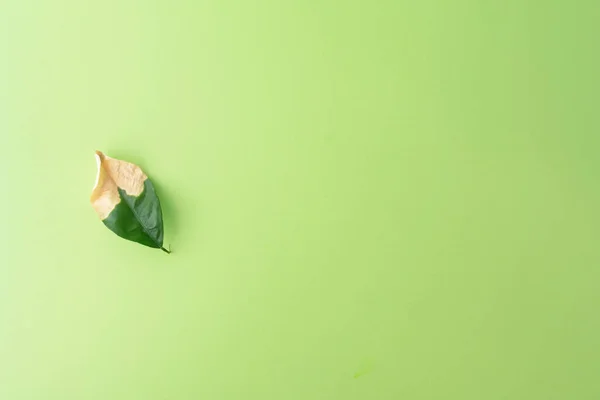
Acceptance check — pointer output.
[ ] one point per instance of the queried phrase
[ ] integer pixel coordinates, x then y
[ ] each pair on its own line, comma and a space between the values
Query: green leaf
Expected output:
127, 203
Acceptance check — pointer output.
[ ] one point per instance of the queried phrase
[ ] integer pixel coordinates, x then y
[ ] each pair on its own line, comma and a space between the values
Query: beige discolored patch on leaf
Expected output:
114, 174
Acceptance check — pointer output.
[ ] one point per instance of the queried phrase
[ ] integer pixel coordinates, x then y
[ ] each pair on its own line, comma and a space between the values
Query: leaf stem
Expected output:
165, 250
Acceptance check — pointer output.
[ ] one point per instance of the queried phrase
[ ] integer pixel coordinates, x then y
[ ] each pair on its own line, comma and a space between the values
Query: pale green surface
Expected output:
386, 200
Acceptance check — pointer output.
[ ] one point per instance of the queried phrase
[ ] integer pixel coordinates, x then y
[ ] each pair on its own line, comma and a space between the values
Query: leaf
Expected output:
126, 202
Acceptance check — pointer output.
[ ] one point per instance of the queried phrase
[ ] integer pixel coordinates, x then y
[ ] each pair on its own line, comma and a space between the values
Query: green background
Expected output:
365, 200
